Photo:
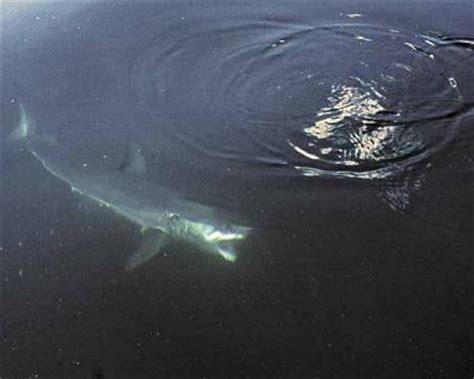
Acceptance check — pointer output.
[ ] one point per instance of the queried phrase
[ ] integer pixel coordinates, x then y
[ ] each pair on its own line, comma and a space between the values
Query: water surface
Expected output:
341, 132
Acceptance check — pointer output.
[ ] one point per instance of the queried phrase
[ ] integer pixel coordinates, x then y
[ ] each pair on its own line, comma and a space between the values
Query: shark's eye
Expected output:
175, 217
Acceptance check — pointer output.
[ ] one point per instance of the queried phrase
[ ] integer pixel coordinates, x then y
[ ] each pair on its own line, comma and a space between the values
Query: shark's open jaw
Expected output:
227, 251
224, 240
159, 213
219, 236
214, 239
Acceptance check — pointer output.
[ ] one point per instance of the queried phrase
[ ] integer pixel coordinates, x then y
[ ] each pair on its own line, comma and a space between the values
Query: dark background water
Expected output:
337, 280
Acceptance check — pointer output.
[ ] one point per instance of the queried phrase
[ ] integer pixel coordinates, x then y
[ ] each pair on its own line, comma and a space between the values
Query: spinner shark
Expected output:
160, 213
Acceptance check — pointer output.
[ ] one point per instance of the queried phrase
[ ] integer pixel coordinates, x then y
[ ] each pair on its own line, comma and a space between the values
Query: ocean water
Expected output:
340, 132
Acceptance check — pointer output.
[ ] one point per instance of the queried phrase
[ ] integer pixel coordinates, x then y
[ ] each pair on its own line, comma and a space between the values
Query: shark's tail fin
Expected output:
25, 128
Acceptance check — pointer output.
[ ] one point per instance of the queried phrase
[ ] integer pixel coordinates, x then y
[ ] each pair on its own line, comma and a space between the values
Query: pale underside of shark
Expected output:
161, 214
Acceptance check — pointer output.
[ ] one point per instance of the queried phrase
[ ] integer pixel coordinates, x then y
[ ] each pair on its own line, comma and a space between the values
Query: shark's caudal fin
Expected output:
25, 128
153, 241
134, 162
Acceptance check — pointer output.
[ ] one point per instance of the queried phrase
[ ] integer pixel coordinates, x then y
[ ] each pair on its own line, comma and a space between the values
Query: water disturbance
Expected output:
349, 99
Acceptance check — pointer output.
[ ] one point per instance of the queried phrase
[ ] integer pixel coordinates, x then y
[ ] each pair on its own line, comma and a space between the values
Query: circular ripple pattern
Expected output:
341, 100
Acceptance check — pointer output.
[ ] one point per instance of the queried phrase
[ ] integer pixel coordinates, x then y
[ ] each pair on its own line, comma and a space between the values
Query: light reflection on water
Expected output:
347, 99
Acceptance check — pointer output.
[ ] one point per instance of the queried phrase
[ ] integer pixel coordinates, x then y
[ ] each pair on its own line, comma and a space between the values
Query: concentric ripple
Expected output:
341, 100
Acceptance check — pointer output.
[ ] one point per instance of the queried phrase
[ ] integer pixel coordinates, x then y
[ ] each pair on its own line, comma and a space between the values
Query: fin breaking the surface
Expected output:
153, 241
134, 162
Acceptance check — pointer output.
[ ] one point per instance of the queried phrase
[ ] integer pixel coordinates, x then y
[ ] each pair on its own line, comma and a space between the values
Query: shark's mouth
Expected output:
220, 240
224, 241
237, 233
227, 251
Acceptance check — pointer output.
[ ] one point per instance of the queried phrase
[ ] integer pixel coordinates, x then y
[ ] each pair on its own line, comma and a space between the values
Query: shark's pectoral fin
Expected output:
153, 241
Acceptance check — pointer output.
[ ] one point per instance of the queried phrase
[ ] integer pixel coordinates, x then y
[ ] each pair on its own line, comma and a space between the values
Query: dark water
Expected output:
341, 132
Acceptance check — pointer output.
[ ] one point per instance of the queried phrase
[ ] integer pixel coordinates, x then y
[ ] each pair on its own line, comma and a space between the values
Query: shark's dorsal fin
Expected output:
153, 241
25, 128
134, 162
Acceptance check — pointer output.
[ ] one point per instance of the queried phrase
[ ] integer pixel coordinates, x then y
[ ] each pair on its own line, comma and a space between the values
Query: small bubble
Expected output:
351, 15
84, 165
37, 17
396, 72
20, 272
452, 82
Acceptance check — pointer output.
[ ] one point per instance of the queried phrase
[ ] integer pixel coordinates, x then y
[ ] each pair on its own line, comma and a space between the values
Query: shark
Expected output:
160, 213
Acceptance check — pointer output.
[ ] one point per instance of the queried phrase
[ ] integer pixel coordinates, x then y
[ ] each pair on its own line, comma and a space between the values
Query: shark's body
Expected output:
158, 212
